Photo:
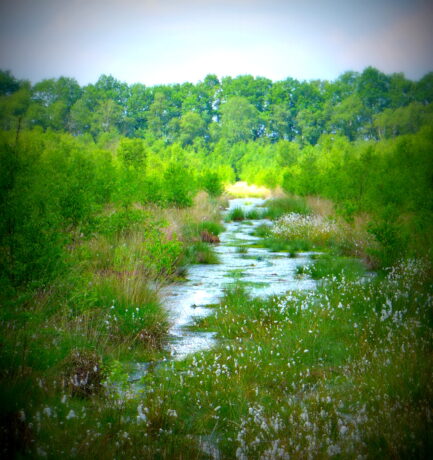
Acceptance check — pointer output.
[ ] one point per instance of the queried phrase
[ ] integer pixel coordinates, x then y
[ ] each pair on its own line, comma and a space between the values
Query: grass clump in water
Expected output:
194, 230
255, 214
235, 214
262, 231
241, 250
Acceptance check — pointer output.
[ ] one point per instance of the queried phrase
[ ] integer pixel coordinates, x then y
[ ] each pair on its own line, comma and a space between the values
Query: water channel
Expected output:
263, 272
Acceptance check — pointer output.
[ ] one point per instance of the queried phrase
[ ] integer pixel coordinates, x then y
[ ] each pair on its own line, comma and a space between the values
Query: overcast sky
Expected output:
169, 41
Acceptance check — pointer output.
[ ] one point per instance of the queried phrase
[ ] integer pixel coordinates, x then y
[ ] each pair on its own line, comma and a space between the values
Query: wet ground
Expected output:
263, 272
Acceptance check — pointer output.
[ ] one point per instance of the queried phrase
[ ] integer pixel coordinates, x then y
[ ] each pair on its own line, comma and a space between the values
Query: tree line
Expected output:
366, 105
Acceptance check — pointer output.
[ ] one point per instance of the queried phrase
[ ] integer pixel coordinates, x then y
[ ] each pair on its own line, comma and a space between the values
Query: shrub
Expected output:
178, 186
212, 184
391, 242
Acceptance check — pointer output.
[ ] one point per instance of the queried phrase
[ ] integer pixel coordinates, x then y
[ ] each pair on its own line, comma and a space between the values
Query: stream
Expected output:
263, 272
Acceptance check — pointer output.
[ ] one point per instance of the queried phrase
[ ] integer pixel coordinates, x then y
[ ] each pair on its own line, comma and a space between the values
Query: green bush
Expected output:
179, 186
391, 240
212, 183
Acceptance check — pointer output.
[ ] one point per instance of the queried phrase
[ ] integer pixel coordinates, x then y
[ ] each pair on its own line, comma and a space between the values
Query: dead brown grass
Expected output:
203, 209
320, 206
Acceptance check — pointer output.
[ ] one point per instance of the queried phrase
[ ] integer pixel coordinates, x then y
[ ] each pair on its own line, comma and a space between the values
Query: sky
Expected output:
173, 41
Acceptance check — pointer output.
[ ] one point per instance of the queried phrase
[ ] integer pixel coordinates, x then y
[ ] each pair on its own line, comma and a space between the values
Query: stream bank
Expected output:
264, 273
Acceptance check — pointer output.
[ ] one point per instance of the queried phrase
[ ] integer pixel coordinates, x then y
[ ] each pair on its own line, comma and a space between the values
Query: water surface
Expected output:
263, 272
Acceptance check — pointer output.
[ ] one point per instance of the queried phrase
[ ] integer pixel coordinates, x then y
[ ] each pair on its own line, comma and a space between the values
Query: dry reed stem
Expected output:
320, 206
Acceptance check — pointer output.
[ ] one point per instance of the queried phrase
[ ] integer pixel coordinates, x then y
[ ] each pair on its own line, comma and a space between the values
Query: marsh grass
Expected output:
241, 250
295, 232
277, 207
283, 245
200, 253
298, 366
348, 364
340, 371
194, 230
235, 214
330, 265
60, 342
255, 214
262, 231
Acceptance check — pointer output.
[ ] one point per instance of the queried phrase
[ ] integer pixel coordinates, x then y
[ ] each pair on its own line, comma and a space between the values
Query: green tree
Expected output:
132, 153
107, 116
191, 126
240, 120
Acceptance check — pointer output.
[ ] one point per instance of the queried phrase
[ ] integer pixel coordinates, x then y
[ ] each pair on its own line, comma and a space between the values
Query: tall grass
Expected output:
277, 207
342, 371
236, 214
62, 341
330, 265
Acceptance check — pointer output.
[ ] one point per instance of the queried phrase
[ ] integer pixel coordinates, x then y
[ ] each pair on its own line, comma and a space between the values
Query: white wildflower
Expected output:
70, 415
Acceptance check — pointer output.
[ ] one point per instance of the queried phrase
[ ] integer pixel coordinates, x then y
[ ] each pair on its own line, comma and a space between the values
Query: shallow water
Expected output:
265, 273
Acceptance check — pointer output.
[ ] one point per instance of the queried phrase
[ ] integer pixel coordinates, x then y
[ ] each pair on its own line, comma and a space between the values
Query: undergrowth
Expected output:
338, 372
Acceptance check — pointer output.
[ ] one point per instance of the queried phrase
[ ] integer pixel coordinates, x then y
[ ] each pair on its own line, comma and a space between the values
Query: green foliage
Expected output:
79, 259
234, 109
212, 183
132, 153
120, 222
200, 253
178, 186
236, 214
240, 120
333, 266
277, 207
392, 241
262, 230
254, 214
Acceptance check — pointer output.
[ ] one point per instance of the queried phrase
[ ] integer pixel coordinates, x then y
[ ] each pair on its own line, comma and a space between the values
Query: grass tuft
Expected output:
236, 214
277, 207
329, 265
